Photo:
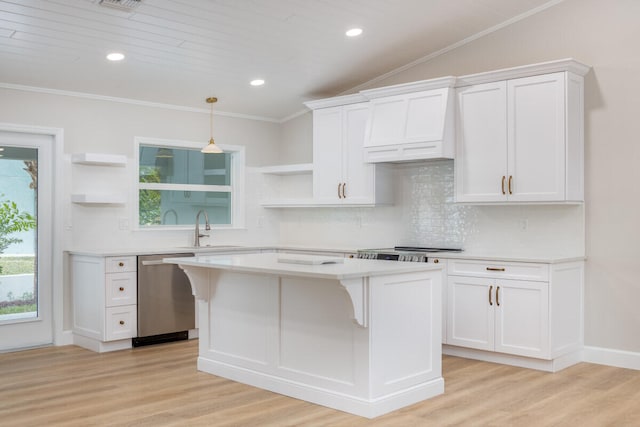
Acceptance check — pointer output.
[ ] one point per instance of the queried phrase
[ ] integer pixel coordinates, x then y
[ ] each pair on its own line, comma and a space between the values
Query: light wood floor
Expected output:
160, 386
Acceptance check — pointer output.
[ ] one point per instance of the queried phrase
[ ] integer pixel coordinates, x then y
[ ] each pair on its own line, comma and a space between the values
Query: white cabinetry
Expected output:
412, 121
104, 301
524, 309
521, 139
340, 175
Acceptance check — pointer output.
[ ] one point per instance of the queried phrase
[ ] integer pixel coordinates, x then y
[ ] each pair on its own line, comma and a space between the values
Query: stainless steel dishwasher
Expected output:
166, 306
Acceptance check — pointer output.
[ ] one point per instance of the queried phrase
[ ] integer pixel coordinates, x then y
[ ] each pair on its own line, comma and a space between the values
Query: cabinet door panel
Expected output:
536, 137
425, 116
358, 176
522, 318
470, 320
327, 154
388, 120
481, 142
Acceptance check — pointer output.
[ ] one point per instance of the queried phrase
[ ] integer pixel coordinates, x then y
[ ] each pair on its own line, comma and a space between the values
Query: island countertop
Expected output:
335, 268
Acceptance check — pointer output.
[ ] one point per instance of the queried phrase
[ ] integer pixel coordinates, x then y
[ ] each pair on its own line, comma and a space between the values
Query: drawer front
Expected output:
500, 270
121, 264
121, 289
121, 322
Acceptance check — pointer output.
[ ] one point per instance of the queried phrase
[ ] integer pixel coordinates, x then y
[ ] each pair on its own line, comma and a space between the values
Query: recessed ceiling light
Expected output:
257, 82
115, 56
354, 32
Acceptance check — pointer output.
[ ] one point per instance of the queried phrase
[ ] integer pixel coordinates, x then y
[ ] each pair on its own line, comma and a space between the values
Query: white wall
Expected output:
110, 127
603, 34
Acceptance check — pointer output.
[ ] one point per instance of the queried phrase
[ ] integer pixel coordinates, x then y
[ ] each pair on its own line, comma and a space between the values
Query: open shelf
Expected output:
98, 159
296, 169
98, 199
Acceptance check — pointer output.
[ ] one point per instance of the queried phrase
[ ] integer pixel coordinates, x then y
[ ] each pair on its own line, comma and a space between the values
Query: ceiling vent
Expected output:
127, 5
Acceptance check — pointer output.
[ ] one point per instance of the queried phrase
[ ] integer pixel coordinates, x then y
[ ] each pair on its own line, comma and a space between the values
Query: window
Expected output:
175, 181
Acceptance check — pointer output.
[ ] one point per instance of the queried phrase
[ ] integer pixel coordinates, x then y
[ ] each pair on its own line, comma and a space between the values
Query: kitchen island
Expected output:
362, 336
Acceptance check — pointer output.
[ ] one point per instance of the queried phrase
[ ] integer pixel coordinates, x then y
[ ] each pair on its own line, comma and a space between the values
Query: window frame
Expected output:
236, 187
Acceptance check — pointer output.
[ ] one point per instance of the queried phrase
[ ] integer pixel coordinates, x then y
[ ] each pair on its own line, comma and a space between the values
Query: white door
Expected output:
358, 176
470, 321
327, 155
522, 318
481, 143
26, 226
536, 110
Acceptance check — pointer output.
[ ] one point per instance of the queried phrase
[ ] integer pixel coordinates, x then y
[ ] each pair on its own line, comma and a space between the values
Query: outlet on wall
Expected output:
523, 224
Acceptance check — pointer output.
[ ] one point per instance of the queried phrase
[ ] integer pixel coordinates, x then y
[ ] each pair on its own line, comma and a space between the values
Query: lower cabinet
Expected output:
532, 310
104, 301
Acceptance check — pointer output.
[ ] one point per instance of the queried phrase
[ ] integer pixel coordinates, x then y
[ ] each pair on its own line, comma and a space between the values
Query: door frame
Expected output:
57, 270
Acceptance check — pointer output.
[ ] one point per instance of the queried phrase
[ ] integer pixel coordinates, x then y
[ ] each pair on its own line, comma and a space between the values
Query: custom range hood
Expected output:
411, 122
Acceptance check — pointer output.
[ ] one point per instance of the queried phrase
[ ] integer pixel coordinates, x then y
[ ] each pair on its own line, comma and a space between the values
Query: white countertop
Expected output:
269, 263
507, 256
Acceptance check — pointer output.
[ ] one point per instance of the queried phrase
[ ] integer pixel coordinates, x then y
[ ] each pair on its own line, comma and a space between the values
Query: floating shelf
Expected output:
98, 159
98, 199
296, 169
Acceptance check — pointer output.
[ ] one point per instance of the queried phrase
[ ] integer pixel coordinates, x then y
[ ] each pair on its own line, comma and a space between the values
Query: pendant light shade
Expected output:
211, 148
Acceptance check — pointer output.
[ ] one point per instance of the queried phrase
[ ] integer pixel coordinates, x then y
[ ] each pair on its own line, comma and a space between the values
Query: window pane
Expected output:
168, 165
18, 233
165, 207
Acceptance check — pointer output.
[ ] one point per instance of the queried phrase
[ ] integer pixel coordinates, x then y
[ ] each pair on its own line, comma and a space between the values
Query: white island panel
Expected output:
363, 336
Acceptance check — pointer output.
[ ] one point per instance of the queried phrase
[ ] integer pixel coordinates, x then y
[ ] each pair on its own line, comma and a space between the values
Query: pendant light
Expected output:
211, 148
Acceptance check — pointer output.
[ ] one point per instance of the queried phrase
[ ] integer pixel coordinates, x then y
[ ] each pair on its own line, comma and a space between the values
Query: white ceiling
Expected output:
181, 51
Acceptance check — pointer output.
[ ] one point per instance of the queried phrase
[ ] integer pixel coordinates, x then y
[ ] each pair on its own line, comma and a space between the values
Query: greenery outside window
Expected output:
175, 181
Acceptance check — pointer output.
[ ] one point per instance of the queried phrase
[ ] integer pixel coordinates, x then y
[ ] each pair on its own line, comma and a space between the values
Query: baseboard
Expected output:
63, 338
611, 357
555, 365
332, 399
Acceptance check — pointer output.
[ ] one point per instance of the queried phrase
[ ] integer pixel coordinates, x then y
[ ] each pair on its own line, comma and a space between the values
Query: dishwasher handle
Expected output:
156, 262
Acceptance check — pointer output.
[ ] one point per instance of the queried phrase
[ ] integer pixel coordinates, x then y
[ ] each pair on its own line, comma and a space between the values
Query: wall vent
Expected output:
128, 5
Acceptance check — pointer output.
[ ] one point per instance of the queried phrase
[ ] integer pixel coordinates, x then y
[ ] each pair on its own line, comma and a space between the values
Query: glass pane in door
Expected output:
18, 234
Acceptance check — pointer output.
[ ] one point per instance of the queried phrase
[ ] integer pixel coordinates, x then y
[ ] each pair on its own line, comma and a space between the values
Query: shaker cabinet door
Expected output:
481, 143
327, 154
536, 111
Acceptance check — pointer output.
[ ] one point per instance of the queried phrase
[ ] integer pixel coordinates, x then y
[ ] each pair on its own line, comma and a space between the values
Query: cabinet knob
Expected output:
436, 261
122, 322
121, 289
121, 264
351, 256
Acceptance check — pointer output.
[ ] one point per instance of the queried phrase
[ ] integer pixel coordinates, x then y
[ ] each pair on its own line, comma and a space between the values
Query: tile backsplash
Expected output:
425, 214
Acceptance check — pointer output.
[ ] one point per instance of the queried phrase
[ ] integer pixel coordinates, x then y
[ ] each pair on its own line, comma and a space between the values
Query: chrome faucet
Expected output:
207, 227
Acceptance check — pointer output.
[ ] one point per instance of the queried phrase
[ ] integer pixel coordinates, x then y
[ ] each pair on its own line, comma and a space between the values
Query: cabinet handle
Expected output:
503, 179
122, 322
121, 264
339, 195
495, 269
498, 296
490, 291
121, 289
510, 180
344, 190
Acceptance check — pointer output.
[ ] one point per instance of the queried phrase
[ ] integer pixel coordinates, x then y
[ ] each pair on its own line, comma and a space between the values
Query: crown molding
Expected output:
130, 101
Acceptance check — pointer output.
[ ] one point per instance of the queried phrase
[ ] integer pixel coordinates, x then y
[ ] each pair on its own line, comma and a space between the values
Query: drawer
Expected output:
121, 289
121, 322
120, 264
501, 270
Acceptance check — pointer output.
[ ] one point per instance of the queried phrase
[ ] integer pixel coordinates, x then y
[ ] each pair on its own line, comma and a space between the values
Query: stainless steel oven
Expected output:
166, 306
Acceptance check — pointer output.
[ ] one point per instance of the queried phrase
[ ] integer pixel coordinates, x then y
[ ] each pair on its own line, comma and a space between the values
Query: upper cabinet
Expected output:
340, 175
521, 139
408, 122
